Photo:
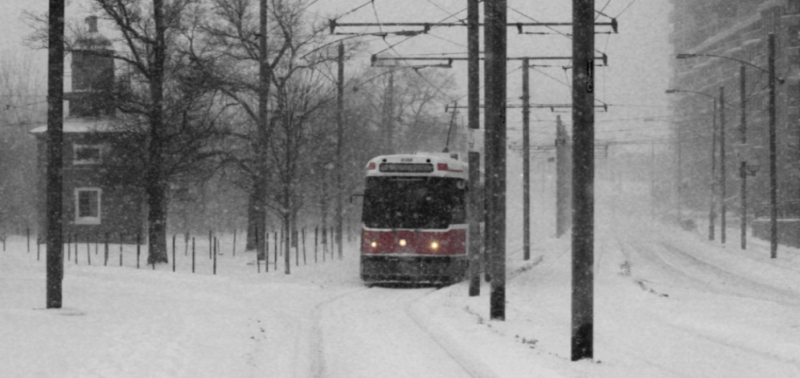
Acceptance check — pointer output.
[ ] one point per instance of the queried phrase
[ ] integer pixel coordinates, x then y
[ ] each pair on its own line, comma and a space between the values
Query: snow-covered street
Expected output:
668, 303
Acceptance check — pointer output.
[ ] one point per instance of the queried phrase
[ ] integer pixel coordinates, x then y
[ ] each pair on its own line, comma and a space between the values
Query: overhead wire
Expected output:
626, 8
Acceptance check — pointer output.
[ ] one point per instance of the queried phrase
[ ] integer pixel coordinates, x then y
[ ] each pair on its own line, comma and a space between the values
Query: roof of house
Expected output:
81, 125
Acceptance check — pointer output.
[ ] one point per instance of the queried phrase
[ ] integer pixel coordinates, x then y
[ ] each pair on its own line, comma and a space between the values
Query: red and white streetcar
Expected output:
414, 219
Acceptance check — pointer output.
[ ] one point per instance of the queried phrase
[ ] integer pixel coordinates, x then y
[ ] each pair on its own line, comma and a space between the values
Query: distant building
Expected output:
738, 29
99, 200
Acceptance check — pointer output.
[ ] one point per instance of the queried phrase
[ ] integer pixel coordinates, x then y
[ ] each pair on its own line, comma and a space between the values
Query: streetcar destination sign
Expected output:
406, 167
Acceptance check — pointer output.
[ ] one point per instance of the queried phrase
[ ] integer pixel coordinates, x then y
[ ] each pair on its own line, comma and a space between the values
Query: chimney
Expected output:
92, 22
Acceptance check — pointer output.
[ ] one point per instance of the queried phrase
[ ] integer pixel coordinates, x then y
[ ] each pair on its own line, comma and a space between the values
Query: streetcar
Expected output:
414, 220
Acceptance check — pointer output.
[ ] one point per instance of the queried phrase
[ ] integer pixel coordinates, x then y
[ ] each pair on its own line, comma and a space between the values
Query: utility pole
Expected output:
473, 123
680, 174
339, 140
563, 195
55, 141
712, 215
722, 177
526, 163
582, 342
652, 179
743, 162
388, 105
495, 115
263, 136
773, 155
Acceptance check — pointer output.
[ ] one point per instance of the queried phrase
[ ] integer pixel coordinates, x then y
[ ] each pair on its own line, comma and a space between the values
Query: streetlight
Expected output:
773, 178
711, 214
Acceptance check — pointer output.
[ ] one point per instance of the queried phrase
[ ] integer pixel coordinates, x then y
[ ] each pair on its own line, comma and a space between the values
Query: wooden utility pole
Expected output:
583, 180
339, 141
495, 115
473, 123
55, 141
526, 163
260, 188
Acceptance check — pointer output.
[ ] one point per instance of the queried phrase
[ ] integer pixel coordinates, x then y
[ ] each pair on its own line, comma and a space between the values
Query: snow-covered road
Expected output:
668, 303
370, 333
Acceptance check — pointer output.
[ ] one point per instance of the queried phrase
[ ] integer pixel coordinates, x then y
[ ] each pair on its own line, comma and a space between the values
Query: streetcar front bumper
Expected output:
412, 269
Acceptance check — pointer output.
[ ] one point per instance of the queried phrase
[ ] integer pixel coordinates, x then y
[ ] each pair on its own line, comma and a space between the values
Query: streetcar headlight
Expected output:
402, 242
374, 244
435, 245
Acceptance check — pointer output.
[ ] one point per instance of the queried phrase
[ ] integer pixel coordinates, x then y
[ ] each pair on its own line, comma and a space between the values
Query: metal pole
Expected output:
722, 178
743, 163
389, 113
562, 178
583, 180
773, 172
55, 140
680, 175
712, 214
652, 179
473, 123
495, 114
526, 164
339, 142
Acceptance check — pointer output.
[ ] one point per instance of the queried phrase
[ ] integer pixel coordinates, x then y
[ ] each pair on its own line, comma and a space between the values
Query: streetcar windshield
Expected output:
413, 202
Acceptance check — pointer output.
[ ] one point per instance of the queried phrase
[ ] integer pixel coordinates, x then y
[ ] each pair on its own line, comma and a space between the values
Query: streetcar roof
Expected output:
418, 164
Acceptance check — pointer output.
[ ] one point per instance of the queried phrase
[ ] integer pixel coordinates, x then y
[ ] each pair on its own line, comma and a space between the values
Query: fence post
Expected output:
138, 248
303, 234
192, 254
105, 253
266, 250
215, 255
210, 246
174, 236
120, 248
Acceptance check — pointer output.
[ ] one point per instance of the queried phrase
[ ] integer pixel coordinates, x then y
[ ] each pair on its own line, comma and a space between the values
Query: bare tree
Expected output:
166, 106
239, 33
21, 107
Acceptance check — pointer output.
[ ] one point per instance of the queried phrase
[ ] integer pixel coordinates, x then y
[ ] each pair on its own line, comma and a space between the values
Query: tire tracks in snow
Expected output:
419, 314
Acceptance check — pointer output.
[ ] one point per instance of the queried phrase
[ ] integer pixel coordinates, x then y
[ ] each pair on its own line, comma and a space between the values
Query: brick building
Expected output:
738, 29
99, 198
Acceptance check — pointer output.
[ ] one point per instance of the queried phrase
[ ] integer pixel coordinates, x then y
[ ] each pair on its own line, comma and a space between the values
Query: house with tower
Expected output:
99, 201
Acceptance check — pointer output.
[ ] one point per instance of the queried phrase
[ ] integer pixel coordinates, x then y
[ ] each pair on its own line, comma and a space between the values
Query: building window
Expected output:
87, 205
87, 154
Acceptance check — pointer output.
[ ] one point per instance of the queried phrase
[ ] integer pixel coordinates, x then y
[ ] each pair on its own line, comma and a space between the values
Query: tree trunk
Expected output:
251, 221
157, 222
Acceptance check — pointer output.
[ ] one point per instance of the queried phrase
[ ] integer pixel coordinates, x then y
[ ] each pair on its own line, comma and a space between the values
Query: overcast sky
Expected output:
633, 84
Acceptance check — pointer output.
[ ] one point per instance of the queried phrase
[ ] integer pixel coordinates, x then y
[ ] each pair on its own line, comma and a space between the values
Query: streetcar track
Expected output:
460, 357
317, 349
